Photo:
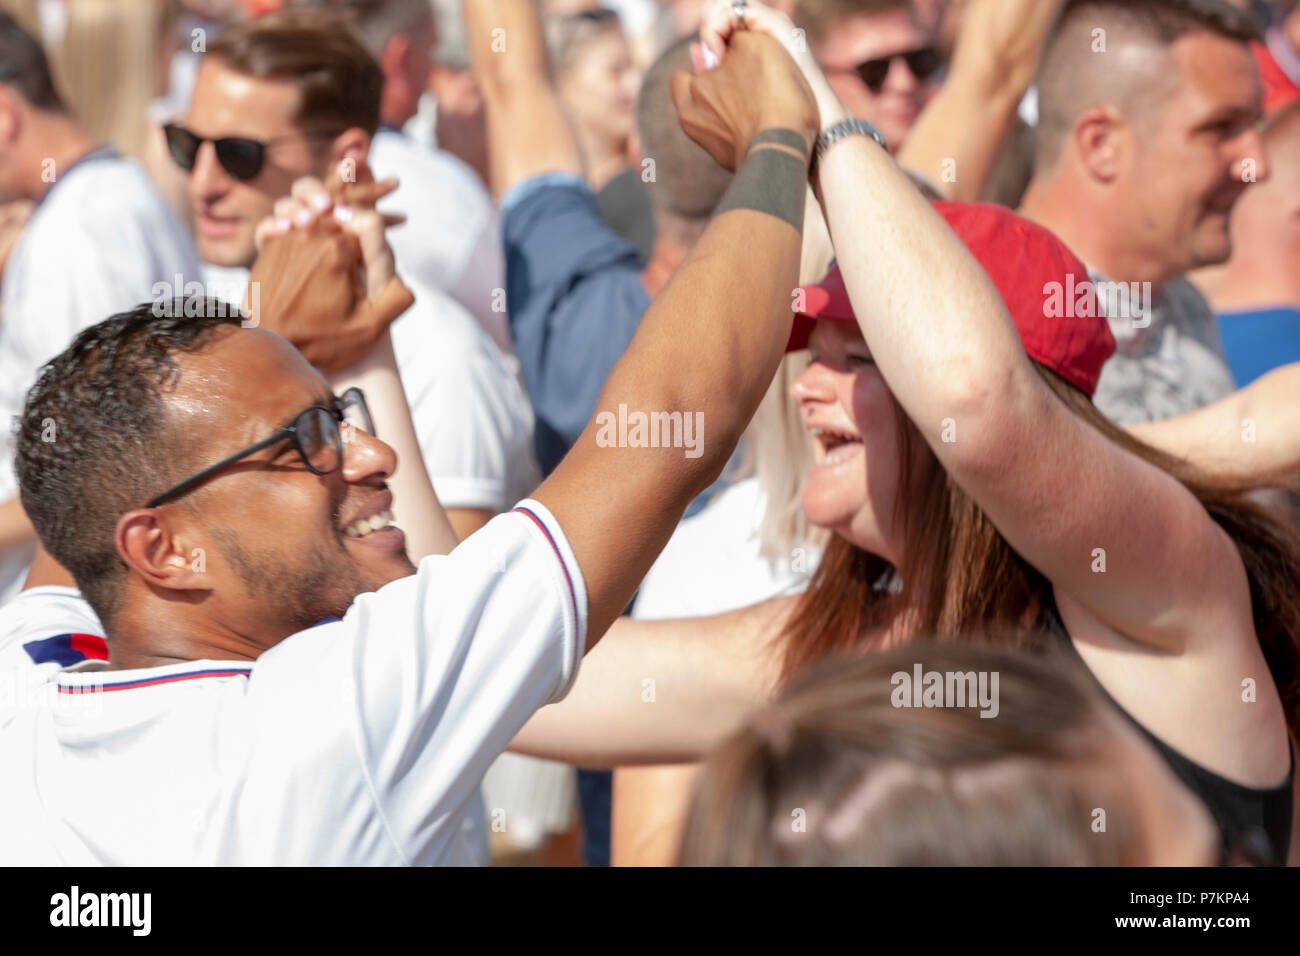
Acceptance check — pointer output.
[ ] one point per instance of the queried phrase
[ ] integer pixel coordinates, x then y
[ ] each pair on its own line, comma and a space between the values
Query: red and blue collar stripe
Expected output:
95, 688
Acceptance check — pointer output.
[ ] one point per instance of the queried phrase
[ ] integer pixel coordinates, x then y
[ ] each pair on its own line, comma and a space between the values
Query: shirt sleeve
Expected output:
49, 625
574, 298
431, 676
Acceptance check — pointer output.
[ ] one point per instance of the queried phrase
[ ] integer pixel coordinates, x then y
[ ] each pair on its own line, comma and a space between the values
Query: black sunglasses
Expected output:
923, 63
243, 158
314, 432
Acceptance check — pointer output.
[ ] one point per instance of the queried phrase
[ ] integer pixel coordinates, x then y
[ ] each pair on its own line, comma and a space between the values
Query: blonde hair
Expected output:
777, 453
107, 65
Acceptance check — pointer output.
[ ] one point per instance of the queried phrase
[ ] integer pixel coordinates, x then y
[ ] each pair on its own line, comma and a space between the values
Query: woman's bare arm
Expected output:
1252, 434
662, 691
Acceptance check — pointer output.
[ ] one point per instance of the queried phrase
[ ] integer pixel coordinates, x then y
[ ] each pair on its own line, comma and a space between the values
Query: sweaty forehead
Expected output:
247, 383
226, 102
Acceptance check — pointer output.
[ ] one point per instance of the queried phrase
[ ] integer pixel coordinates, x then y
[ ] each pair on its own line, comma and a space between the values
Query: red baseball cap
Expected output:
1031, 269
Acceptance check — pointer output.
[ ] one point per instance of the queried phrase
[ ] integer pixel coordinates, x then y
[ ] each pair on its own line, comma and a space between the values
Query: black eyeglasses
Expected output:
923, 63
243, 158
315, 433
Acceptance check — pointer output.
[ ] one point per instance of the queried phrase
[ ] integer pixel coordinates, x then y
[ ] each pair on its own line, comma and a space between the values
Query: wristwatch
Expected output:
838, 131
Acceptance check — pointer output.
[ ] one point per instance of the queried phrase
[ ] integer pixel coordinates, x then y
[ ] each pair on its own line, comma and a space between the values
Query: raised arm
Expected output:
527, 131
1054, 486
1252, 434
711, 341
662, 691
958, 136
365, 361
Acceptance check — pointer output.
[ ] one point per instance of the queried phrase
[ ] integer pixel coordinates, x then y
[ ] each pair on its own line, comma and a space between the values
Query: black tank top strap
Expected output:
1254, 822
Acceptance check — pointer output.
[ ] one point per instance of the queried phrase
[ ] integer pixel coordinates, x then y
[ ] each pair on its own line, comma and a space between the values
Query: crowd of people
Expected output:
650, 432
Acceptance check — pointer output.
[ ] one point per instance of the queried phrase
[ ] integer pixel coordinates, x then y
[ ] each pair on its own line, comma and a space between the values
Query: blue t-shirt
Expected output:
1259, 341
574, 298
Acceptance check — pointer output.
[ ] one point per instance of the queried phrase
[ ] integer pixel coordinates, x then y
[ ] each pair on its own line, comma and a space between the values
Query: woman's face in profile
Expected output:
852, 423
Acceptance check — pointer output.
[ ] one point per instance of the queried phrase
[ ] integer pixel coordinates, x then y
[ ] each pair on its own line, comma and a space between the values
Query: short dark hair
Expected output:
818, 17
321, 53
93, 440
687, 182
24, 67
1065, 78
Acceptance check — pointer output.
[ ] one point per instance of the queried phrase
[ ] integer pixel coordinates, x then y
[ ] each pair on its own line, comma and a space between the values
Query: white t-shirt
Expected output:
98, 244
452, 240
712, 563
472, 418
358, 742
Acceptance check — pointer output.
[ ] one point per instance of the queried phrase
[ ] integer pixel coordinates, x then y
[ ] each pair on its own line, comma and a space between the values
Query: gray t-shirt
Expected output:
1168, 358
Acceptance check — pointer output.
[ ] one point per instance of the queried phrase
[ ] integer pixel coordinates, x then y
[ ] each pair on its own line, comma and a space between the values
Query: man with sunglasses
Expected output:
226, 728
99, 239
877, 57
296, 94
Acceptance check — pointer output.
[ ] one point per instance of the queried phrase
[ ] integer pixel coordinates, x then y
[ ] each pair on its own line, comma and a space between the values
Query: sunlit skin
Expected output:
851, 489
854, 479
856, 39
1207, 132
274, 555
227, 103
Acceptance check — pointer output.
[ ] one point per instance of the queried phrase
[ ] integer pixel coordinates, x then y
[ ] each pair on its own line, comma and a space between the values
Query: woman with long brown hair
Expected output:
974, 491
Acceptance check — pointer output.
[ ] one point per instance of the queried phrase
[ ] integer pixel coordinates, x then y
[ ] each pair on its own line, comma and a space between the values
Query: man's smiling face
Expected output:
227, 209
289, 545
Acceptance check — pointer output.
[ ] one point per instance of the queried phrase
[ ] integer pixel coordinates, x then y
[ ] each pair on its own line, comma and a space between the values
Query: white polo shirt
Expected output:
358, 742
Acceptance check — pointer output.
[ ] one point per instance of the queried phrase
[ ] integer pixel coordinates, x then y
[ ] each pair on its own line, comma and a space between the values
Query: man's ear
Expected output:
392, 61
155, 549
11, 121
1101, 140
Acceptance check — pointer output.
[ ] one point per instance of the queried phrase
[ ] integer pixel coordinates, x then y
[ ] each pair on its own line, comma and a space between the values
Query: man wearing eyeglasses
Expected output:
296, 94
226, 729
98, 240
877, 57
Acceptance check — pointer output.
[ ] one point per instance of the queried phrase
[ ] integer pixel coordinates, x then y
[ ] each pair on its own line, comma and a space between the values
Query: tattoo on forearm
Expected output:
772, 179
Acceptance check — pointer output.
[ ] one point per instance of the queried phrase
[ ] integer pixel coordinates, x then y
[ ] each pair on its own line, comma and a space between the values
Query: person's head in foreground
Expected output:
877, 56
257, 550
847, 769
276, 98
1147, 132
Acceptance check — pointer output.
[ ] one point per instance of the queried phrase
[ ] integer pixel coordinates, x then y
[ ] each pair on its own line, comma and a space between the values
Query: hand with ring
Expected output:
720, 19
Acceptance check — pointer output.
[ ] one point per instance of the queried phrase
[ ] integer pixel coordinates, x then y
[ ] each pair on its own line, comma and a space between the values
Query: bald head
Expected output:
1116, 54
687, 183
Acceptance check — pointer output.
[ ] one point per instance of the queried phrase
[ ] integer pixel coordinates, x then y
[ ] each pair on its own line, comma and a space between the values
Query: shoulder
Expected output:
49, 625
